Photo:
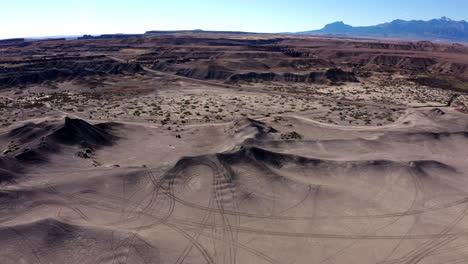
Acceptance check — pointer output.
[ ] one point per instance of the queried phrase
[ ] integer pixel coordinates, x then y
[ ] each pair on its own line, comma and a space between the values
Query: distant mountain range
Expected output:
443, 29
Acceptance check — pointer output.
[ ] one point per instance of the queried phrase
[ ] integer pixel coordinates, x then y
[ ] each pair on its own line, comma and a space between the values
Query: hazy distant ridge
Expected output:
435, 29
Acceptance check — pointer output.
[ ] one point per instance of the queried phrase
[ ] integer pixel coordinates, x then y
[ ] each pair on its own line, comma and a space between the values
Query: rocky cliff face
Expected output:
20, 73
328, 76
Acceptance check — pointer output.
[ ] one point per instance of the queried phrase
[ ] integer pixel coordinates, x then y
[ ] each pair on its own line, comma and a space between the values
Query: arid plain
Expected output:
204, 147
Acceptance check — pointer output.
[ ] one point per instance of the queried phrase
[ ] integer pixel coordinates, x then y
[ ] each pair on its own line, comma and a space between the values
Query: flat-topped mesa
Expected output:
196, 31
111, 36
13, 40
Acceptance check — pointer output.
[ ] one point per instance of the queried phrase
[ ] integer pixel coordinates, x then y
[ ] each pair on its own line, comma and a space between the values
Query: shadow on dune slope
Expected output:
53, 241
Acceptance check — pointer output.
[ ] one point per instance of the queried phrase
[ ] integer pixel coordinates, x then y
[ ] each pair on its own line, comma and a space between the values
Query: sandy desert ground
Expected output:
140, 164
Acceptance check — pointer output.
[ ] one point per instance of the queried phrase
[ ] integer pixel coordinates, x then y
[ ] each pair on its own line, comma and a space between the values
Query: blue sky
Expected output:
28, 18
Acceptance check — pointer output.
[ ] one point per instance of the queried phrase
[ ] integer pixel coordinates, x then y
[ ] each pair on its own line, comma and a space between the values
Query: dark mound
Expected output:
77, 131
32, 142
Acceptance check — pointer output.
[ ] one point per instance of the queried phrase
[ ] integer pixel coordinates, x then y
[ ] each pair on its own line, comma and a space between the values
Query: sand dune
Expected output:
241, 204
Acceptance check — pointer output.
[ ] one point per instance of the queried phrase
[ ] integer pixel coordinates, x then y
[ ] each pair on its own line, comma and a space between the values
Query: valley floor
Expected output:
261, 174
